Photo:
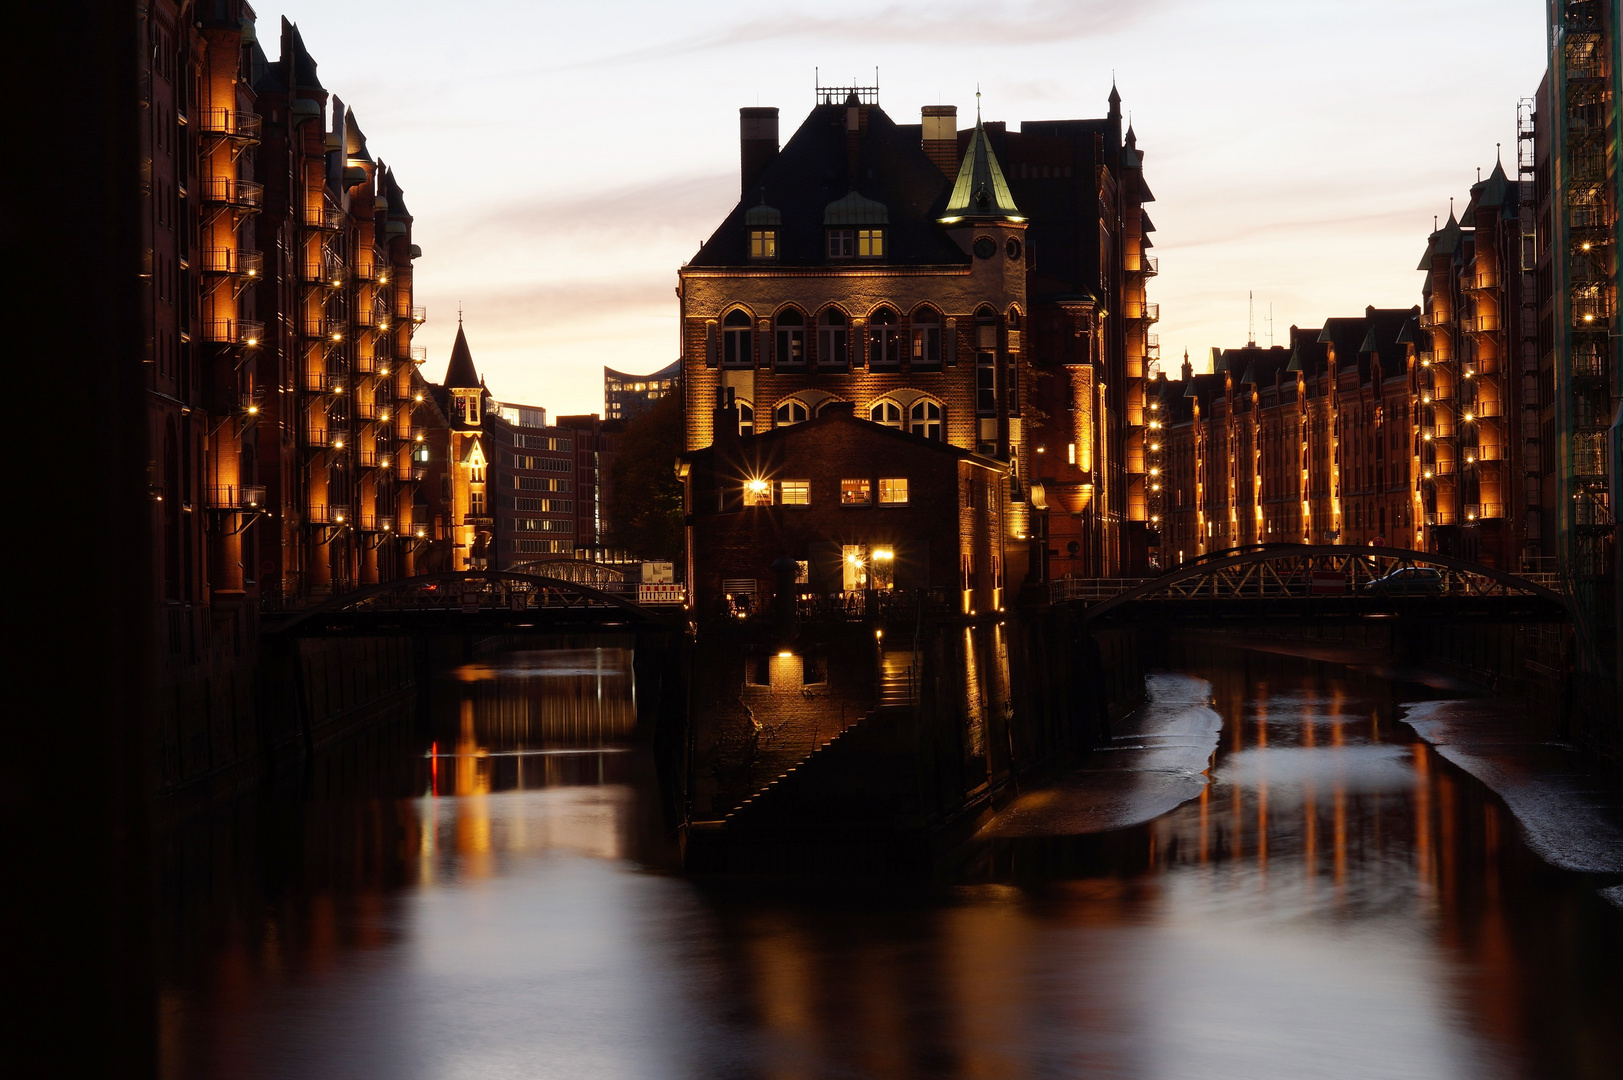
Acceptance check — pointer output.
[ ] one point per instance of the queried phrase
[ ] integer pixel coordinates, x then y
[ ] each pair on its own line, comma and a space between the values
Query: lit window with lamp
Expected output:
893, 491
763, 223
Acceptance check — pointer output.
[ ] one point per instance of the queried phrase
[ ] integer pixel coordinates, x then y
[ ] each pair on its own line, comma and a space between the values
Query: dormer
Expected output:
854, 227
763, 223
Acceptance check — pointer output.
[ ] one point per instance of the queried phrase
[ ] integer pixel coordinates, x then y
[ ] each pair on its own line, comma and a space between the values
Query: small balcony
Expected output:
1140, 310
235, 497
1152, 346
246, 332
418, 315
229, 191
366, 407
416, 354
369, 458
327, 274
323, 218
327, 514
230, 124
1590, 312
1481, 281
233, 261
322, 328
377, 523
317, 438
1431, 320
407, 469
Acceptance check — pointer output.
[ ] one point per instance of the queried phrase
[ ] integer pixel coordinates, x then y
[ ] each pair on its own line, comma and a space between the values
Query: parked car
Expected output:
1408, 581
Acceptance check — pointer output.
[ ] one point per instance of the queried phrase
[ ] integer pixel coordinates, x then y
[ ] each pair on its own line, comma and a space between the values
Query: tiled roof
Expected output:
980, 193
814, 169
460, 371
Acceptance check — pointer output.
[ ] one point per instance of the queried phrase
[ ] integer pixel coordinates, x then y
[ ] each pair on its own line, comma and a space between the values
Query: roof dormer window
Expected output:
855, 227
763, 223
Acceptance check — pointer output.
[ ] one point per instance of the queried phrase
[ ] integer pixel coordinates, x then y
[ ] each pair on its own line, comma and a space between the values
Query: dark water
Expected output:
1340, 902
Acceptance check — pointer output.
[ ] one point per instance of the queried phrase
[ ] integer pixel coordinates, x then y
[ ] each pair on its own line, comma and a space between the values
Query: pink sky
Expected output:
562, 160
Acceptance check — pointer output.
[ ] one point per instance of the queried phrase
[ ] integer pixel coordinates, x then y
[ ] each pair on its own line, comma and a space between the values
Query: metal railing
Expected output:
327, 514
234, 331
230, 124
232, 261
229, 191
235, 497
1065, 589
328, 273
317, 437
377, 523
327, 218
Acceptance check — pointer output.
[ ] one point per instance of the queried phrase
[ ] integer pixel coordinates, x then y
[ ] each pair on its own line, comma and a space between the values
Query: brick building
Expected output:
1471, 483
1307, 444
897, 268
515, 489
277, 324
859, 507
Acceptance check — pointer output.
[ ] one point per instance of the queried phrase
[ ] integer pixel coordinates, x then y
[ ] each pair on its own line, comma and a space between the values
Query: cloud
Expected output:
1008, 25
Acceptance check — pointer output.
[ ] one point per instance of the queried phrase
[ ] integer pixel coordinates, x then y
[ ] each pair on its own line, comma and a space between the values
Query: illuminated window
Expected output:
924, 418
478, 476
757, 492
856, 492
476, 503
791, 339
893, 491
870, 243
746, 418
794, 493
985, 383
842, 243
763, 243
887, 413
792, 411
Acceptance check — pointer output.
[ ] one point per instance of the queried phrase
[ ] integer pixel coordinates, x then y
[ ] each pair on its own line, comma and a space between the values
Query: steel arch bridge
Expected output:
1285, 582
581, 571
470, 601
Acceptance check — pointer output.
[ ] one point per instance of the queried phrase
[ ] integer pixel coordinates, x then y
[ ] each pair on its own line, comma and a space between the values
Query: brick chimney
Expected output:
941, 137
757, 144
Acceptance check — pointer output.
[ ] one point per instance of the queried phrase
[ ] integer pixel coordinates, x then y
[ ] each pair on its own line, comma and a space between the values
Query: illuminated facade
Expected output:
1305, 444
278, 321
899, 269
627, 396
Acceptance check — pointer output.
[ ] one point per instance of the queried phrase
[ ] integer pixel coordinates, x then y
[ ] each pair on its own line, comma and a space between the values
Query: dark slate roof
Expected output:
1374, 334
1253, 363
1496, 191
1308, 354
812, 171
396, 199
460, 371
294, 52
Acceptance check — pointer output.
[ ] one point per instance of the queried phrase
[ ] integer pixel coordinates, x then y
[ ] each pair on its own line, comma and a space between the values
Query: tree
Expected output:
645, 506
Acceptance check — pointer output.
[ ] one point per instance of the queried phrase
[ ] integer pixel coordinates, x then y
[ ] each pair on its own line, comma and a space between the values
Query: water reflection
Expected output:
1339, 902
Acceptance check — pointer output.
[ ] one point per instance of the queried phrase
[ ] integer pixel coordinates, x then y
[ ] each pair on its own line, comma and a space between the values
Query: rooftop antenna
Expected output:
1270, 324
459, 314
1250, 320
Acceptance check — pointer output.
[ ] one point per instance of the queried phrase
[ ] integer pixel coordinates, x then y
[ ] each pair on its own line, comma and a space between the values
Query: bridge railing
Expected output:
1065, 589
1335, 572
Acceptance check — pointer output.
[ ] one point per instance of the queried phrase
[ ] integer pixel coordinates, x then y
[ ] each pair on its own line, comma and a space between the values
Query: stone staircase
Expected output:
896, 686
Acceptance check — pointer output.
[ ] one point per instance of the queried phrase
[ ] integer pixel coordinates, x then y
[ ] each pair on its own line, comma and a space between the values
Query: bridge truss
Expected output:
470, 601
1293, 581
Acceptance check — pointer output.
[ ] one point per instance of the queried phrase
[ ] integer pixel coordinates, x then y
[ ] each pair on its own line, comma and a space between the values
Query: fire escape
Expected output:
1527, 344
1588, 259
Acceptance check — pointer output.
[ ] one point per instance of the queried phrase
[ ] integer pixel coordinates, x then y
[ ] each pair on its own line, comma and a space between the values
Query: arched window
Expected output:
924, 418
791, 411
884, 341
746, 418
735, 339
926, 335
888, 413
833, 339
824, 404
791, 339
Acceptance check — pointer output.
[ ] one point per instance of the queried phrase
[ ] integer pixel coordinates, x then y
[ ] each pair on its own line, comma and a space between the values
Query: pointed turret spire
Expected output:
460, 372
1115, 101
980, 192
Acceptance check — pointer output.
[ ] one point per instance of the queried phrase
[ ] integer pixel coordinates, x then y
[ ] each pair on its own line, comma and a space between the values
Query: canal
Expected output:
490, 891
